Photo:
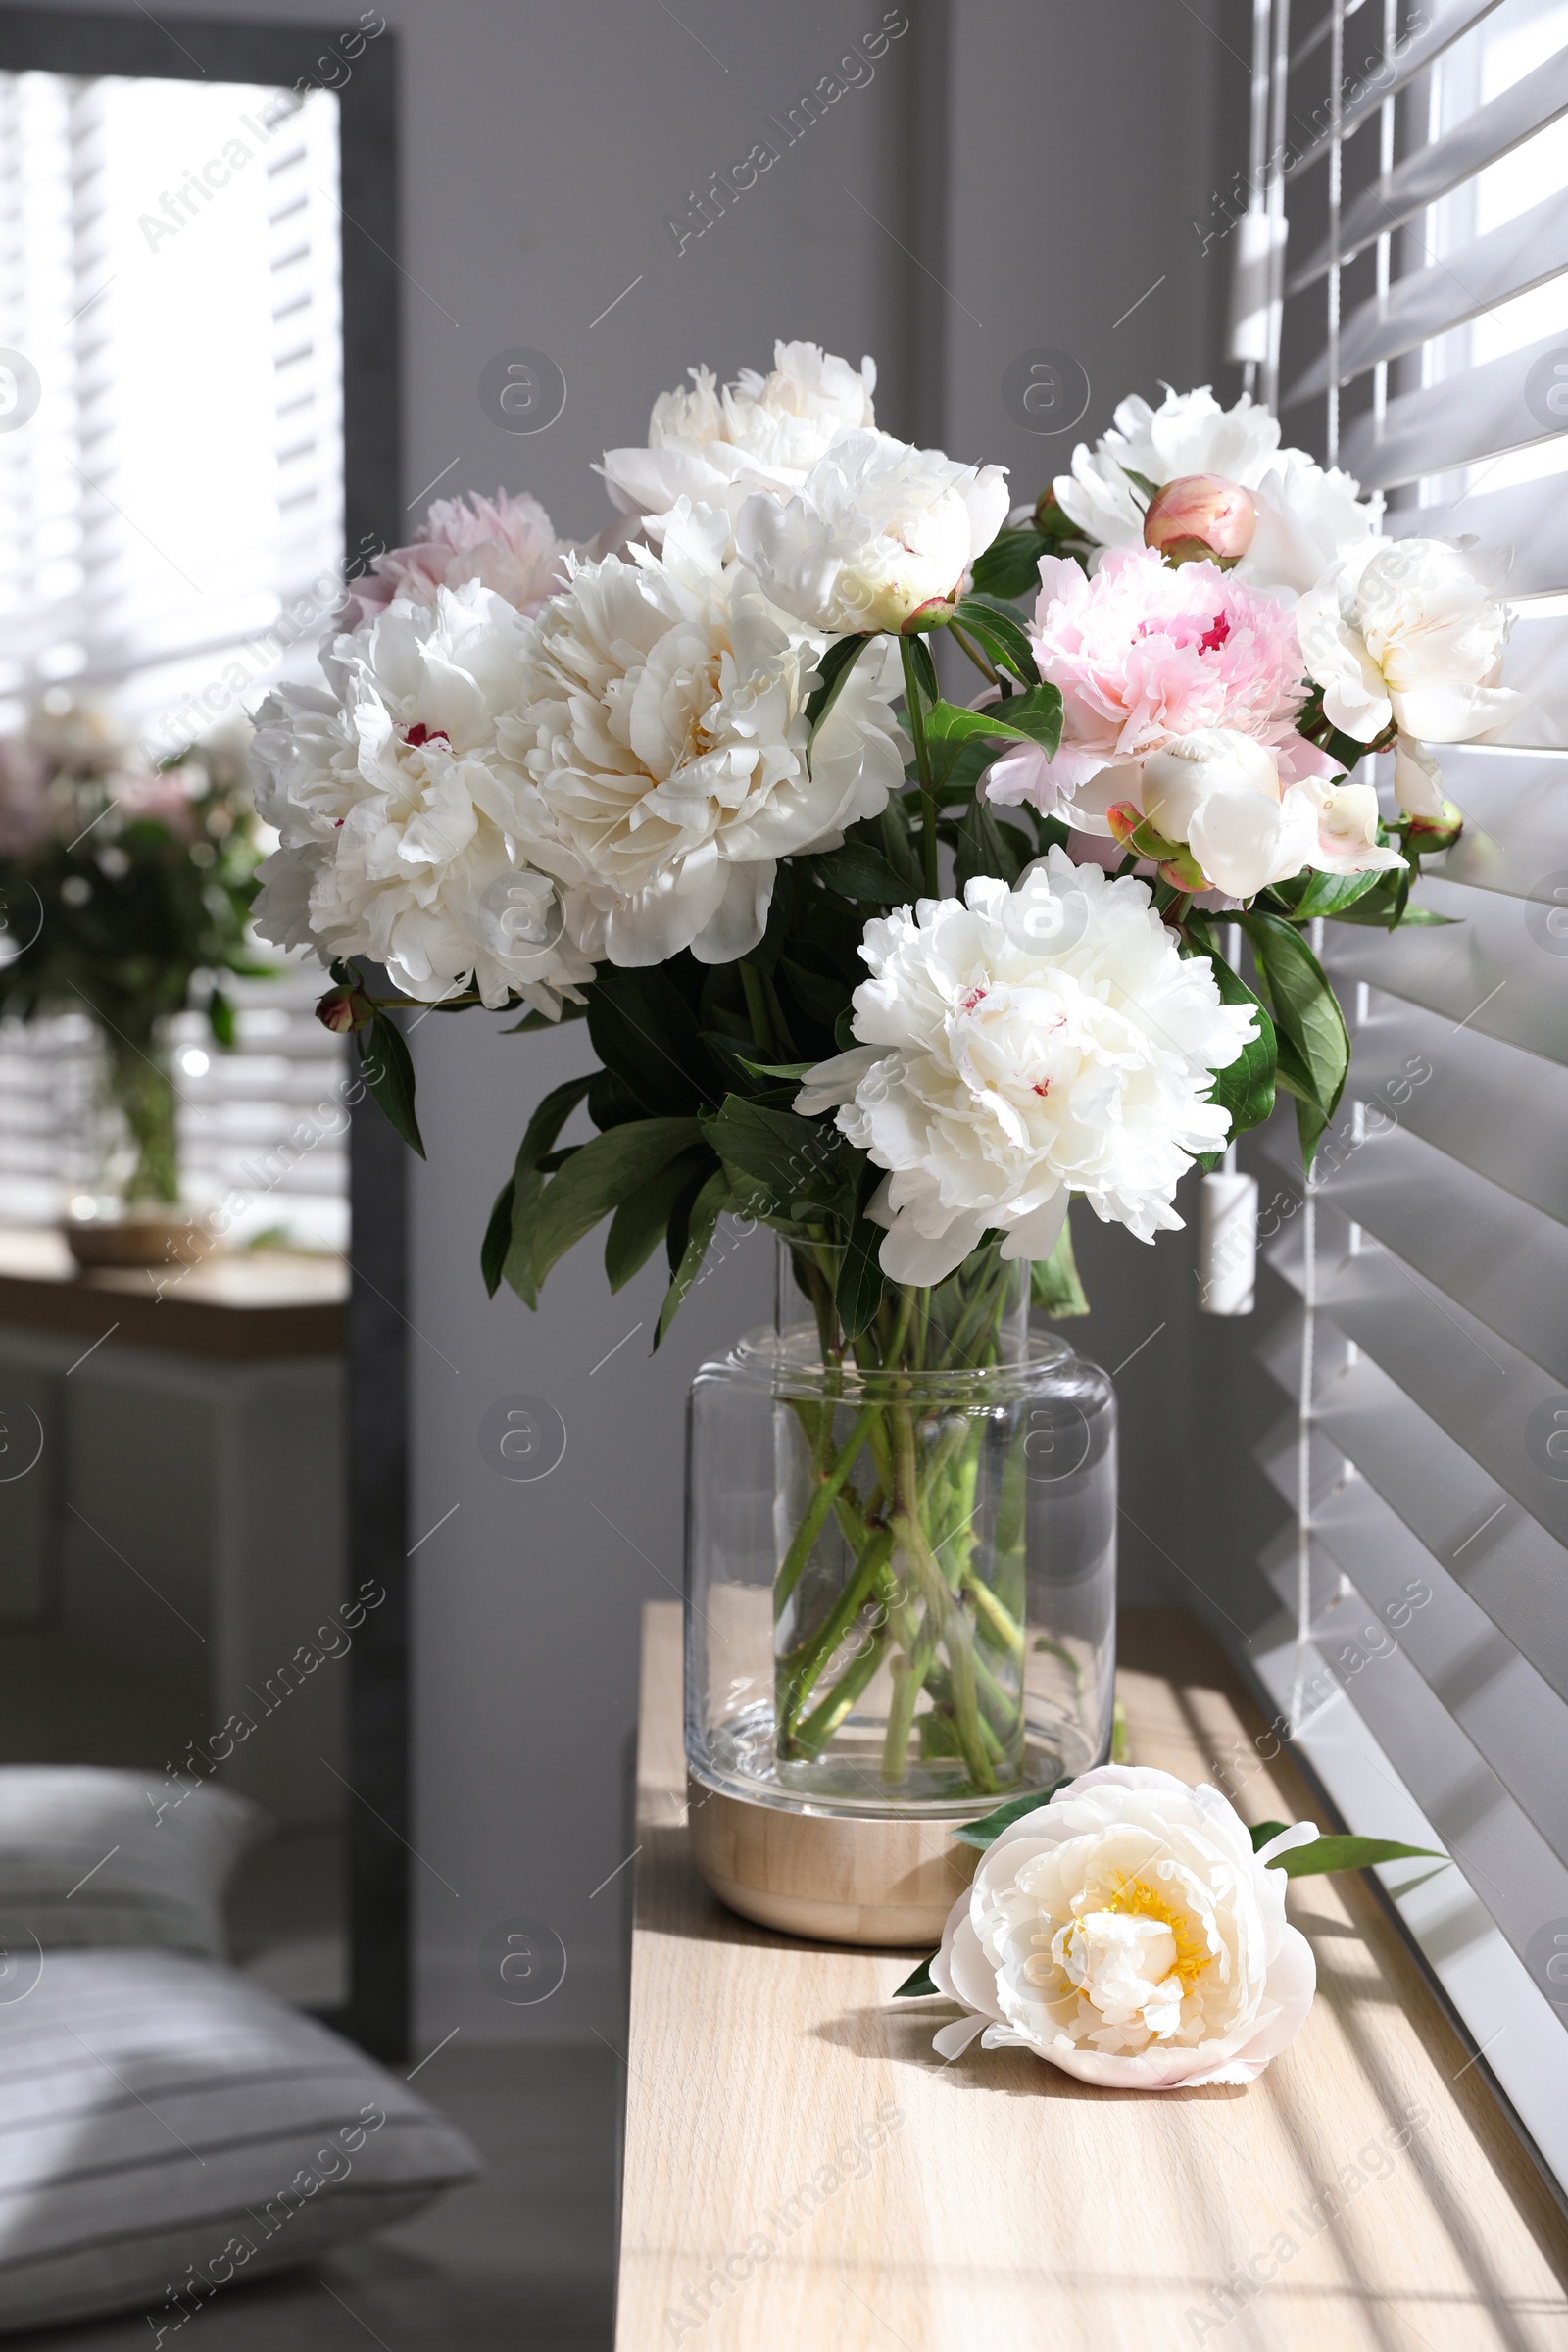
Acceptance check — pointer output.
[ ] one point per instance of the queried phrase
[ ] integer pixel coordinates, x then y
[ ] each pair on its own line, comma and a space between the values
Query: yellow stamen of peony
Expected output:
1138, 1900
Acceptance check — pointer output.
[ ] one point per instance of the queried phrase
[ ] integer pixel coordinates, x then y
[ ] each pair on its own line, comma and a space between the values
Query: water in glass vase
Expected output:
901, 1558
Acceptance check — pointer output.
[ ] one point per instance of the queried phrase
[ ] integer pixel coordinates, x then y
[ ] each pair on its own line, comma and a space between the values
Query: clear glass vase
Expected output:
901, 1558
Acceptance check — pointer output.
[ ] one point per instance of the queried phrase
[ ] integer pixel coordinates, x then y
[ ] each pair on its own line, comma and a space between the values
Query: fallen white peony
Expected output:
1128, 1933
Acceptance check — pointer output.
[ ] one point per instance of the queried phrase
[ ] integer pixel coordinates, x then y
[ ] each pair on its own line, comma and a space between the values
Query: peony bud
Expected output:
344, 1010
934, 614
1200, 518
1425, 835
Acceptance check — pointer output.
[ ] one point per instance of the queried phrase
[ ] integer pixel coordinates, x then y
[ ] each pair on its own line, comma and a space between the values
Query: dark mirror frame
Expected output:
89, 44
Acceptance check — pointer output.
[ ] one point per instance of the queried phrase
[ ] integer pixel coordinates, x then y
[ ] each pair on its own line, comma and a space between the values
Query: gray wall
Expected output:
1040, 162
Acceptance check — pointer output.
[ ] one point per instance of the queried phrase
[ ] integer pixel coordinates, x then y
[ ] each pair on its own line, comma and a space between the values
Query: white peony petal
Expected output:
950, 2041
1417, 779
1301, 1832
1244, 842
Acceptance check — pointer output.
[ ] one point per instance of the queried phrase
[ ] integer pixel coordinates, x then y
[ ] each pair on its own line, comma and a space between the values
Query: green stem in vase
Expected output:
946, 1612
831, 1480
908, 1677
1008, 1632
798, 1674
141, 1090
971, 1730
815, 1731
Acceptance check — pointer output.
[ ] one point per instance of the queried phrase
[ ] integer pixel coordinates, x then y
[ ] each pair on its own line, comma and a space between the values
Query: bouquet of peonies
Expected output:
892, 972
124, 891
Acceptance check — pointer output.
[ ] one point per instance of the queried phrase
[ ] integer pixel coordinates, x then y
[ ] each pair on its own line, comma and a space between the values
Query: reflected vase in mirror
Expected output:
900, 1596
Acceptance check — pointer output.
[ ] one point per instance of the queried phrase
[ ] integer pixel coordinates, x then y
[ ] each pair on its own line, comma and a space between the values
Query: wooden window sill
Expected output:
1366, 2193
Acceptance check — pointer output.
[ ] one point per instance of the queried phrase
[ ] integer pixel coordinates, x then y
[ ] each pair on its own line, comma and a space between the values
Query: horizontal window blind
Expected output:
168, 266
170, 538
263, 1126
1419, 329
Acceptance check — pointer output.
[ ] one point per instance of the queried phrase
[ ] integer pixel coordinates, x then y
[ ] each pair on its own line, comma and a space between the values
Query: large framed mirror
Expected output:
202, 1471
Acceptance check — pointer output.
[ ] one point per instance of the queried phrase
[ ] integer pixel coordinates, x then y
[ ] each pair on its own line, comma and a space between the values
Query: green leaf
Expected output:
1031, 717
221, 1017
957, 767
612, 1102
496, 1237
859, 1292
834, 670
855, 871
1313, 893
528, 1185
1053, 1283
900, 851
706, 1209
1382, 908
792, 1071
925, 670
1312, 1045
1000, 632
917, 1987
819, 996
1262, 1832
645, 1029
780, 919
638, 1224
388, 1069
986, 847
600, 1177
1246, 1087
1141, 481
1011, 565
775, 1158
1349, 1853
989, 1828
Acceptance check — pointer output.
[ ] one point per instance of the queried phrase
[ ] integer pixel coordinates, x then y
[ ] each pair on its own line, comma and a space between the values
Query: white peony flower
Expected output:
1307, 518
396, 839
876, 530
1308, 515
1020, 1046
1128, 1933
1221, 792
1410, 633
717, 447
660, 742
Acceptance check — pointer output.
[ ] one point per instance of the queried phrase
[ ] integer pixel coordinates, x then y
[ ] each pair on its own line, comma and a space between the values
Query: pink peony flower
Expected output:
506, 542
1144, 652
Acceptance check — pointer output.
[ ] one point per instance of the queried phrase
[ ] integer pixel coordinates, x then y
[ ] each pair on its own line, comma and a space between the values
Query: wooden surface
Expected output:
243, 1307
801, 2170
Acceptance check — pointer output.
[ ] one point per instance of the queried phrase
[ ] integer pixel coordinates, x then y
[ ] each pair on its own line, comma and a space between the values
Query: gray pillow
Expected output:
94, 1857
167, 2126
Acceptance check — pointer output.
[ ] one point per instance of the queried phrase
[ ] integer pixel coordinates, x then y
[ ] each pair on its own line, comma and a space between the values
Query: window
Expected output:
1418, 333
172, 530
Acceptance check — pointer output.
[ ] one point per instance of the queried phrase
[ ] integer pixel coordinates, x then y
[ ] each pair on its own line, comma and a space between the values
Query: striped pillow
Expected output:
165, 2128
94, 1857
